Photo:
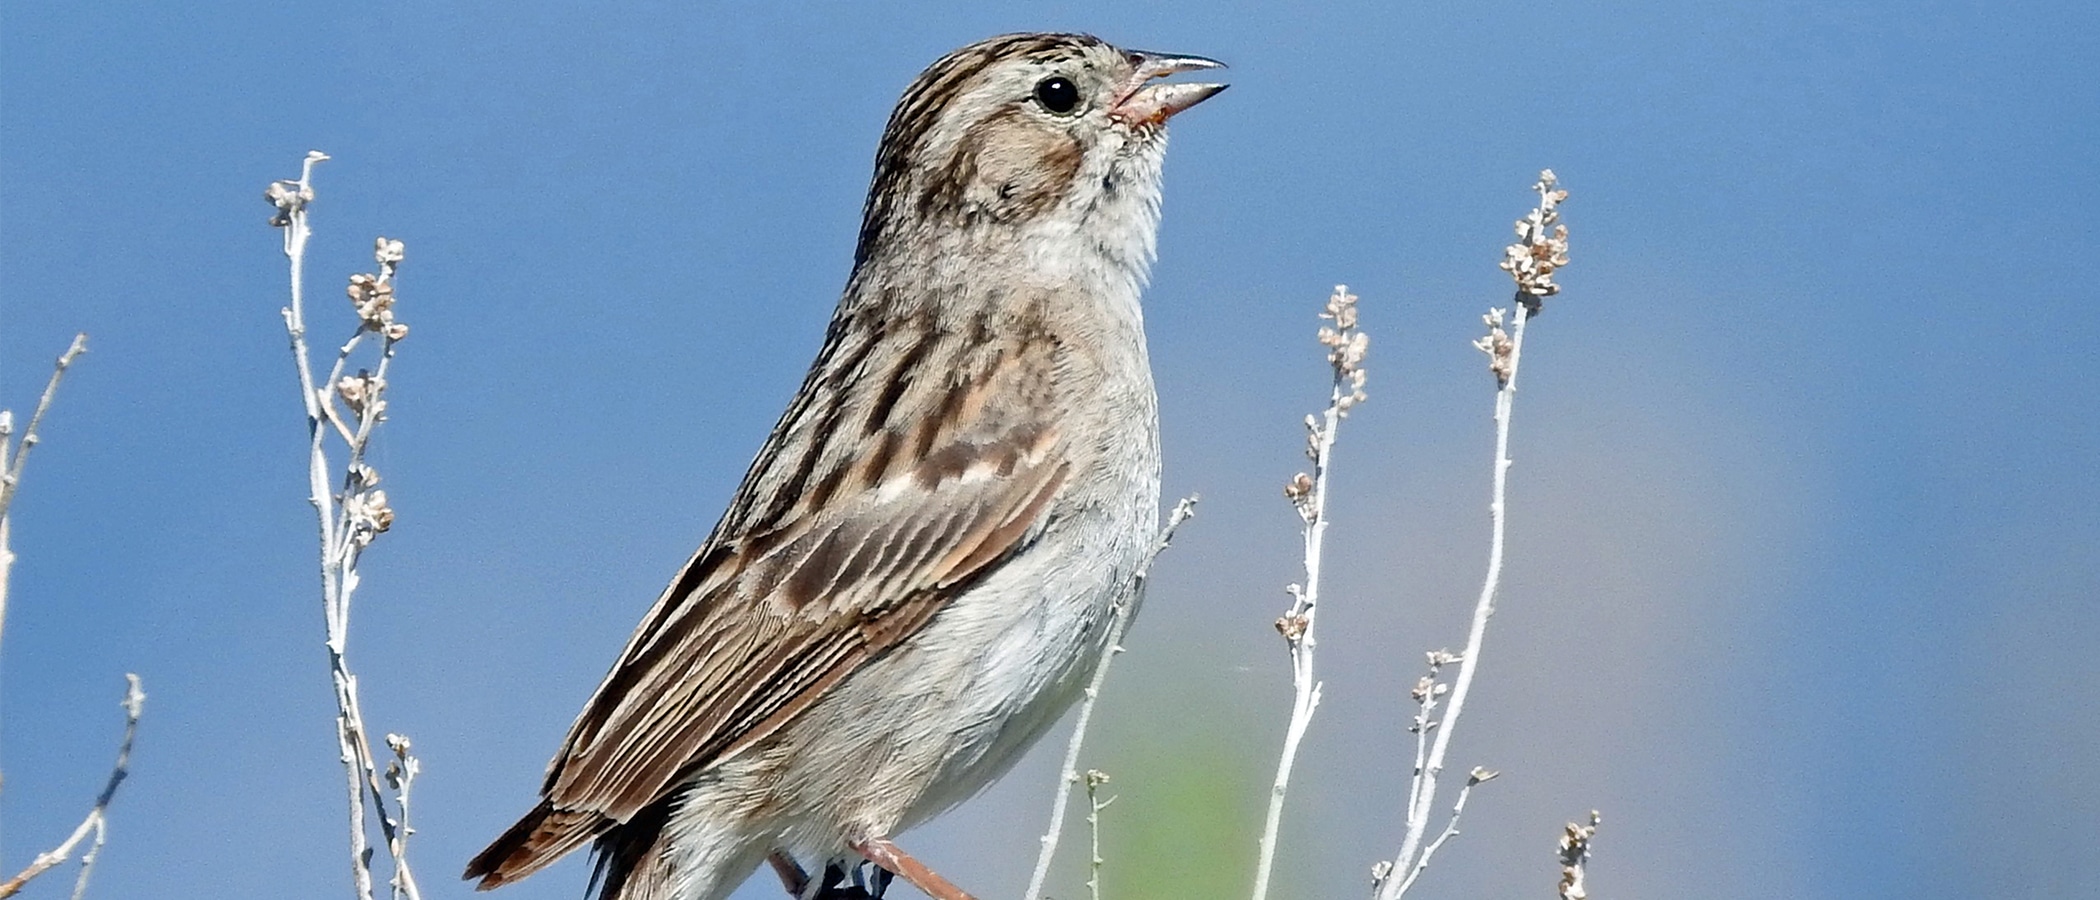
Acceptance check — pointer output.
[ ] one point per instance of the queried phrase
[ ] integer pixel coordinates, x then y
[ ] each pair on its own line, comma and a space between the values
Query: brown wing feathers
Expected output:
823, 562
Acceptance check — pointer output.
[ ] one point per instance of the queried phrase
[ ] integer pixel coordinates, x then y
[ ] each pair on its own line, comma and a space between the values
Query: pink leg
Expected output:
885, 853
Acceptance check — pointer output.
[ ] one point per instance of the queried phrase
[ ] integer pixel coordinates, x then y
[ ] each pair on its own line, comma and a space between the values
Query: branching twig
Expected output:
97, 822
1118, 622
1346, 346
1458, 809
350, 520
1541, 249
13, 456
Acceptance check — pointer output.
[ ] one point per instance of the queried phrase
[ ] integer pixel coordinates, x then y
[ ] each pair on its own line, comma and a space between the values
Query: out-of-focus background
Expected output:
1804, 548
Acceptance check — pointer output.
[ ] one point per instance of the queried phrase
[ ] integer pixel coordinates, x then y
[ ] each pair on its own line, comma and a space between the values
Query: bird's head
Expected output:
1018, 128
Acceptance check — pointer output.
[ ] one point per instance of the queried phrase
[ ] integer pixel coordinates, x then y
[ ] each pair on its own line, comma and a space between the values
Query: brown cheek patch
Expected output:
1011, 166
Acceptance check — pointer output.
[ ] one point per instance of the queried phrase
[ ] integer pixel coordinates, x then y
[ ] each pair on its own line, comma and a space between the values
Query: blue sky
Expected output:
1804, 540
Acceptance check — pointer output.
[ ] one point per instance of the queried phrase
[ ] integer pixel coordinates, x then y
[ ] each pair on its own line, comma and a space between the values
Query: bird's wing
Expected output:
880, 497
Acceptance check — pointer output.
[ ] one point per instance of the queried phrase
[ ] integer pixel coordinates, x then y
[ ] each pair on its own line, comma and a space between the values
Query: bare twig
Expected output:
351, 519
1477, 776
14, 455
1118, 623
1541, 250
401, 776
96, 825
1346, 347
1575, 856
1094, 780
14, 459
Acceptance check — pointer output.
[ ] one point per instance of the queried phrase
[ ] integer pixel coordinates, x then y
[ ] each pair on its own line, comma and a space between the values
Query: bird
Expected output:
917, 574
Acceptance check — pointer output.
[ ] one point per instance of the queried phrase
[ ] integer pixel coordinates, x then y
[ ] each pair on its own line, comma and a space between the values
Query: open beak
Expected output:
1142, 104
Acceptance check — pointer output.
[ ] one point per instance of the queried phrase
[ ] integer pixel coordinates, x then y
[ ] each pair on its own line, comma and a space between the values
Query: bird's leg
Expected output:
891, 858
791, 875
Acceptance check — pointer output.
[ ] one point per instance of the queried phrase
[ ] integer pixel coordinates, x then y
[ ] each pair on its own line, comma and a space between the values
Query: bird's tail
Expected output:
536, 841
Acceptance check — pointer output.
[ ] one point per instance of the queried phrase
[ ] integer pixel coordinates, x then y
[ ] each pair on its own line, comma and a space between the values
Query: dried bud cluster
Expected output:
364, 394
1497, 346
1574, 853
1292, 626
403, 769
1541, 247
372, 296
289, 197
1345, 345
1427, 688
388, 253
368, 514
1299, 491
365, 508
1428, 691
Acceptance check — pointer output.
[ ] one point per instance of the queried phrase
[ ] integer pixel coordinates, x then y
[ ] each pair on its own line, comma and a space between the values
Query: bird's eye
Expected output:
1057, 94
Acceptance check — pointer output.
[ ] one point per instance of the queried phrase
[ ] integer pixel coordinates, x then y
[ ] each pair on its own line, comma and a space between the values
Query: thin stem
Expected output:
1450, 828
12, 460
333, 530
1541, 250
1094, 781
1484, 608
1297, 627
1426, 696
7, 566
96, 823
1346, 348
401, 773
343, 533
12, 475
1118, 622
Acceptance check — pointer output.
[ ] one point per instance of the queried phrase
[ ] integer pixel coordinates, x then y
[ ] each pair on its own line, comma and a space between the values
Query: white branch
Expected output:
348, 521
1476, 635
13, 458
1346, 347
11, 462
1118, 622
96, 825
1450, 831
1541, 249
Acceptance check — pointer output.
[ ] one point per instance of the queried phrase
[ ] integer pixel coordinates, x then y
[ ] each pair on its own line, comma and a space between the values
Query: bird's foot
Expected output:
838, 883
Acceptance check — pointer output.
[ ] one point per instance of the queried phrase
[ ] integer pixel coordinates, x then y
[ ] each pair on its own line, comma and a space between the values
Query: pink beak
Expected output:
1140, 104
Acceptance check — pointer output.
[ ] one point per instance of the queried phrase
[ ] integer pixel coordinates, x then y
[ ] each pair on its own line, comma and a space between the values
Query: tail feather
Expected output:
535, 842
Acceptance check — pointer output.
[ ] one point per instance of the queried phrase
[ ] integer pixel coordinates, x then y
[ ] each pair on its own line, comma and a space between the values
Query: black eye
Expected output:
1057, 95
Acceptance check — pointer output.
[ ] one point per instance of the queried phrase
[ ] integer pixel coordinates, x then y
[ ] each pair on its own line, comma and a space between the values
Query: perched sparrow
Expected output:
916, 576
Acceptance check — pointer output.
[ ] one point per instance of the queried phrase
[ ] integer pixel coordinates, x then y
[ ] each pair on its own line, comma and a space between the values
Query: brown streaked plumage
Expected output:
917, 562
